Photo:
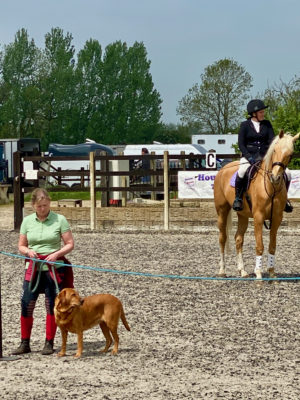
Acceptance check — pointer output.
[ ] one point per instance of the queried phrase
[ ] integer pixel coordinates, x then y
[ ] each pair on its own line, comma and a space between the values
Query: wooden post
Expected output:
192, 162
104, 181
153, 177
48, 170
183, 163
92, 190
166, 191
124, 194
18, 193
35, 152
82, 178
59, 177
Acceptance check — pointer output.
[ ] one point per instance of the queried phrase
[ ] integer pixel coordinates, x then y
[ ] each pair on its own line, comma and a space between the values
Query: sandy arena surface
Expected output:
189, 339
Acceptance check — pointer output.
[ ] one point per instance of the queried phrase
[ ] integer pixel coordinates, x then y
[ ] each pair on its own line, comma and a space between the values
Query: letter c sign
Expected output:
211, 160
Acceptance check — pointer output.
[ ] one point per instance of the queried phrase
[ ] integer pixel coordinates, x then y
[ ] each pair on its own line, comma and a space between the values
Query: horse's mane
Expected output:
286, 143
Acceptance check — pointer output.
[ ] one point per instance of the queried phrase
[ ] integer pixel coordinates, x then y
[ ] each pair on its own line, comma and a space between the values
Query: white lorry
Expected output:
221, 144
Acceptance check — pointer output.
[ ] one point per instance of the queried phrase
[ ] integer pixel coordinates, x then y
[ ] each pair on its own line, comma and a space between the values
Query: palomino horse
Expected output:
268, 196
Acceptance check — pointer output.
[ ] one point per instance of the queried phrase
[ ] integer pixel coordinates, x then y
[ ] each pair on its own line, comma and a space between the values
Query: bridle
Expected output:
267, 174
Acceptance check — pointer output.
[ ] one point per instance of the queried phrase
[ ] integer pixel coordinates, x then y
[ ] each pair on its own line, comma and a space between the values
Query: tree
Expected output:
58, 89
20, 64
284, 110
174, 133
87, 80
109, 98
217, 103
129, 108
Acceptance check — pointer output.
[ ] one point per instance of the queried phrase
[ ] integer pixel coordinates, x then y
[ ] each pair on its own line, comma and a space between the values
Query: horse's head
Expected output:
279, 155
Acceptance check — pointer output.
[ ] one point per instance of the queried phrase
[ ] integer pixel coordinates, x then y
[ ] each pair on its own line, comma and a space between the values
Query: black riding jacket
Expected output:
255, 144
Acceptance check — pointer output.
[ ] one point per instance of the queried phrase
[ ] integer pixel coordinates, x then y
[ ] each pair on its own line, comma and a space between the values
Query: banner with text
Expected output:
200, 185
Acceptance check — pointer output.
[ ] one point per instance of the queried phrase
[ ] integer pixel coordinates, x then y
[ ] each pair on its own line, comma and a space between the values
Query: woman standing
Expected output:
255, 136
40, 238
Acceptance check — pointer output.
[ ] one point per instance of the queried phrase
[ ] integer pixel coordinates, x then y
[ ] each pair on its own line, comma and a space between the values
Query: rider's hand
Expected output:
251, 160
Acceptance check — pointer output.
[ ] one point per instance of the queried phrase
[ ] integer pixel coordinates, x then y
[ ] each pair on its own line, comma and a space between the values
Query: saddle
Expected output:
250, 174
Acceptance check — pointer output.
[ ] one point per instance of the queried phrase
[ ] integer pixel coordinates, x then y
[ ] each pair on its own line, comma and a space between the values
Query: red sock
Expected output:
50, 327
26, 326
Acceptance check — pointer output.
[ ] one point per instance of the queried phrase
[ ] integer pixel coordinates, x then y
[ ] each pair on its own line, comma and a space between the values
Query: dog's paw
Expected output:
77, 355
60, 354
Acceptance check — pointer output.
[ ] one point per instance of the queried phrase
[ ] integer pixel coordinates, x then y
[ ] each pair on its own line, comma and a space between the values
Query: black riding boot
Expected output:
288, 207
240, 187
23, 348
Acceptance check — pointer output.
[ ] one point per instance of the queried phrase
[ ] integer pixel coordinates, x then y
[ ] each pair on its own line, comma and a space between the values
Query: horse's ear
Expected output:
296, 137
281, 133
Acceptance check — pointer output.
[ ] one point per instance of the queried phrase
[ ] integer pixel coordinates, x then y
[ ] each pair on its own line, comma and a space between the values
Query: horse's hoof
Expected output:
222, 276
259, 283
244, 275
274, 282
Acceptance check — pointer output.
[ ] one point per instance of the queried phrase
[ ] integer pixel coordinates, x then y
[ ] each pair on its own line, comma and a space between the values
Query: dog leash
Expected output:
39, 277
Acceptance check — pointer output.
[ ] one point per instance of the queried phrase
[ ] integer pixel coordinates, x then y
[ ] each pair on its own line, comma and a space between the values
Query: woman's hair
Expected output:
145, 150
39, 194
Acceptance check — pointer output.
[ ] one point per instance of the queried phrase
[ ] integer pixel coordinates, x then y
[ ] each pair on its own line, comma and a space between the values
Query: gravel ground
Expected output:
189, 339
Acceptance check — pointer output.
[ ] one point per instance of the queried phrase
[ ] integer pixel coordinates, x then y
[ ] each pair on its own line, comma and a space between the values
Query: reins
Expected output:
268, 173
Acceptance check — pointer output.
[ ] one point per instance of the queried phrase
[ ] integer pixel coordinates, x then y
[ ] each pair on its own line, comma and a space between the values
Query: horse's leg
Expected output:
239, 241
258, 227
272, 246
222, 222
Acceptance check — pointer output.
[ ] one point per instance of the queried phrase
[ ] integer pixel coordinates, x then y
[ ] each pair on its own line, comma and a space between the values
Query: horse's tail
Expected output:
228, 231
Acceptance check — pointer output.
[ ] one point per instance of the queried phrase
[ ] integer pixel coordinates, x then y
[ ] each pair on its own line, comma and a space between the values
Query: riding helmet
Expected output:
255, 105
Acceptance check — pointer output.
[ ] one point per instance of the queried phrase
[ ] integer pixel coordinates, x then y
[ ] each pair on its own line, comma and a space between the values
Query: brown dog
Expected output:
73, 314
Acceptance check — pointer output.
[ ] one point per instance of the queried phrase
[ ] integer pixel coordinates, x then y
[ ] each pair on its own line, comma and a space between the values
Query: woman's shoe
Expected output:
48, 348
23, 348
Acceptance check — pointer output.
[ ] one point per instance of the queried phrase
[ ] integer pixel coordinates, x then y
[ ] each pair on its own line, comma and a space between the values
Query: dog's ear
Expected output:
81, 302
58, 303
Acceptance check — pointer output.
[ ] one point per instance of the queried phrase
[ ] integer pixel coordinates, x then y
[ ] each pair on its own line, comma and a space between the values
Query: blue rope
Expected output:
204, 278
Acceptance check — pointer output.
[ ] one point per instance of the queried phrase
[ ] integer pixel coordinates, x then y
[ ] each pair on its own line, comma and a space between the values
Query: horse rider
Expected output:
255, 136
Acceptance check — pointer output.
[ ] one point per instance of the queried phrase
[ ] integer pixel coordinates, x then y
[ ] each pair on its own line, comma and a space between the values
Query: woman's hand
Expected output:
31, 254
52, 257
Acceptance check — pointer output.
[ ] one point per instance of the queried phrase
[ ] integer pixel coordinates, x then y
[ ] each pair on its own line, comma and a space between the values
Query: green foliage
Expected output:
107, 97
284, 111
236, 148
217, 103
172, 133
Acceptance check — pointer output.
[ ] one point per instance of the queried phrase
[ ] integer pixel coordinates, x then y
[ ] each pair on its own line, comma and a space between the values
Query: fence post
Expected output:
82, 178
59, 177
104, 181
166, 191
48, 170
153, 177
18, 193
35, 152
92, 190
124, 194
183, 163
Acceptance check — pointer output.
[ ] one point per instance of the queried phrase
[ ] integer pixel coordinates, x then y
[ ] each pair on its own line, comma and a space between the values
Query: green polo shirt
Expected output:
44, 237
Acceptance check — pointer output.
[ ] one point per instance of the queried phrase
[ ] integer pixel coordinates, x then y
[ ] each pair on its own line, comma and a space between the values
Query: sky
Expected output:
182, 37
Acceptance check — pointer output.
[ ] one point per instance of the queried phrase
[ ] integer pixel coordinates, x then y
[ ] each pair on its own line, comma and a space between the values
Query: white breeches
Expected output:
244, 165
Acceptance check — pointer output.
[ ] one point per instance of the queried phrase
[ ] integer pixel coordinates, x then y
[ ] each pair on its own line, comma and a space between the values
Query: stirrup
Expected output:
288, 207
238, 204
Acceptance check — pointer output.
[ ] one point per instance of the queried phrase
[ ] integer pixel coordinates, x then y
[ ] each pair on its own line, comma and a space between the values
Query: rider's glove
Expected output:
251, 160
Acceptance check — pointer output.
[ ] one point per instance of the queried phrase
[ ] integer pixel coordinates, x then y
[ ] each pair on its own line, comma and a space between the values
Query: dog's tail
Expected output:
124, 319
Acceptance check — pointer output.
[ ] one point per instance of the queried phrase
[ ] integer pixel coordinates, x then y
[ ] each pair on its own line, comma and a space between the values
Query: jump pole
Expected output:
11, 358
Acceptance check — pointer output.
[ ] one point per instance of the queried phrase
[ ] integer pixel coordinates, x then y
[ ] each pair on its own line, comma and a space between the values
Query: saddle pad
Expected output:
232, 180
